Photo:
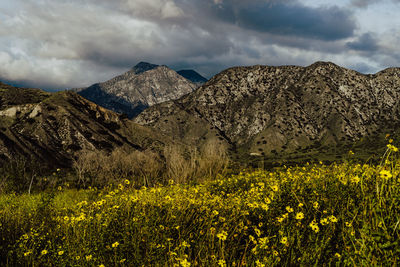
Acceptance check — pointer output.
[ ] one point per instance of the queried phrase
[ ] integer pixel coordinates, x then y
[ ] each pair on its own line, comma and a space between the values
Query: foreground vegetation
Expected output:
312, 215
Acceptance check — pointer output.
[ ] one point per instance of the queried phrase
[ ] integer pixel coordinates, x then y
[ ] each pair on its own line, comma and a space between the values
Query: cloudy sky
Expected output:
58, 44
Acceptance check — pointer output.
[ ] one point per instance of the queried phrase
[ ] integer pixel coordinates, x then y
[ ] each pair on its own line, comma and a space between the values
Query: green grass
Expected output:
338, 214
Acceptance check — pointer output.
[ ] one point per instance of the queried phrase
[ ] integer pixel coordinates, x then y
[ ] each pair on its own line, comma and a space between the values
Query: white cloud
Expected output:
163, 9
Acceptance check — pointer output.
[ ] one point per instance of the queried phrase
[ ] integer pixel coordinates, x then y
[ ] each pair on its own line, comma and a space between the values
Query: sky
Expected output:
60, 44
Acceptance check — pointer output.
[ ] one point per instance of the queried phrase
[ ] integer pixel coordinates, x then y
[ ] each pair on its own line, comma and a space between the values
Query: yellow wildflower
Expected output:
392, 148
355, 179
222, 263
185, 244
299, 216
212, 230
257, 231
324, 221
44, 252
259, 263
116, 244
284, 240
27, 253
314, 226
61, 252
289, 209
184, 263
333, 219
385, 174
222, 236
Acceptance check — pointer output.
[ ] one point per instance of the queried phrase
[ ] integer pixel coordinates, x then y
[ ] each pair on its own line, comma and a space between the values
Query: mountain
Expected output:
51, 128
290, 112
141, 87
193, 76
261, 113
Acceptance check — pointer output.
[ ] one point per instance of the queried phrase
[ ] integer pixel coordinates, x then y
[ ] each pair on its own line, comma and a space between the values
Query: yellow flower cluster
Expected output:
255, 218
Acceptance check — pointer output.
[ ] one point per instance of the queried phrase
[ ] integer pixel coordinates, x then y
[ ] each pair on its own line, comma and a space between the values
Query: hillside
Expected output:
52, 128
288, 111
143, 86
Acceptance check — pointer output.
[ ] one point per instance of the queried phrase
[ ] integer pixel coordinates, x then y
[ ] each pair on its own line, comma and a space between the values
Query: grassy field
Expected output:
340, 214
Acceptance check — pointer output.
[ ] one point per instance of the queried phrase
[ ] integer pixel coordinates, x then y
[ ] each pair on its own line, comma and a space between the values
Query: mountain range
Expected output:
144, 85
261, 113
288, 111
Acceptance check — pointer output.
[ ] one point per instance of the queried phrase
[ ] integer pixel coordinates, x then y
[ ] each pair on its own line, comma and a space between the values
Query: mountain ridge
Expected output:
52, 128
281, 110
143, 86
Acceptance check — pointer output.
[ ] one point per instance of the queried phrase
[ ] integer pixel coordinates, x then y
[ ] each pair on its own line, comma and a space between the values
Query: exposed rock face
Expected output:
52, 128
193, 76
266, 110
143, 86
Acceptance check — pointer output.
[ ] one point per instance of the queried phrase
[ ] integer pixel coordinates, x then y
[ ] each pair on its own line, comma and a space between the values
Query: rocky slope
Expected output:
52, 128
270, 111
143, 86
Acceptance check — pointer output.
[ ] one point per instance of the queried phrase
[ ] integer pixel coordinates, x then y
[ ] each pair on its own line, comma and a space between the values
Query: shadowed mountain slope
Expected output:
193, 76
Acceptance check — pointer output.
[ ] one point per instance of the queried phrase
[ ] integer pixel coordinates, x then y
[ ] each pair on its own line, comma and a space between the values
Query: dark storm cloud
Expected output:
289, 18
209, 28
365, 43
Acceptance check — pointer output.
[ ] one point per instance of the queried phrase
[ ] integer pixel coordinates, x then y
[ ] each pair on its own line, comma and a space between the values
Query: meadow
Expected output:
313, 215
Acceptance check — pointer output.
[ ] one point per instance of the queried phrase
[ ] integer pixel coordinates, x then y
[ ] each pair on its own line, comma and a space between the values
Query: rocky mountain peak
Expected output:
143, 67
143, 86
